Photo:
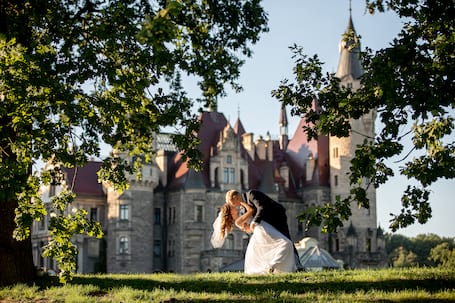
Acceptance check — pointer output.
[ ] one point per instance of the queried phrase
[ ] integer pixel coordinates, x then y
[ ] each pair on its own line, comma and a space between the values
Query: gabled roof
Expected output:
239, 129
212, 124
194, 179
84, 180
300, 149
262, 174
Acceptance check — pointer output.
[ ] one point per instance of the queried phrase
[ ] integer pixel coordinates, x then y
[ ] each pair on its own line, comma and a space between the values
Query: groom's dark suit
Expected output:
267, 209
272, 212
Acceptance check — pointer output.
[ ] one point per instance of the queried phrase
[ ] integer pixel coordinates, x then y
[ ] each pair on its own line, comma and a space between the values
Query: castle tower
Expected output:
342, 151
130, 222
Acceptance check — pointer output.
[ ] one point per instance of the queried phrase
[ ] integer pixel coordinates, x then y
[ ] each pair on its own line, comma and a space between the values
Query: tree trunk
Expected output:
16, 259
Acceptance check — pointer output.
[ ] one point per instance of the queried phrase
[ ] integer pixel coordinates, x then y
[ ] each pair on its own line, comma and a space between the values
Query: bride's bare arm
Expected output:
241, 222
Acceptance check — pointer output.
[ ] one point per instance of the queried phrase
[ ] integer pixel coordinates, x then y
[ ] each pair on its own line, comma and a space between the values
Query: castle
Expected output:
163, 222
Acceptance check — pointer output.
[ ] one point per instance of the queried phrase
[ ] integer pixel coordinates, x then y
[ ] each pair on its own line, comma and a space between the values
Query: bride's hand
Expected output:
246, 206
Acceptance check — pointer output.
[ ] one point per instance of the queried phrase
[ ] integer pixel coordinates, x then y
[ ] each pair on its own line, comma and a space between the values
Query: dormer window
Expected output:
229, 159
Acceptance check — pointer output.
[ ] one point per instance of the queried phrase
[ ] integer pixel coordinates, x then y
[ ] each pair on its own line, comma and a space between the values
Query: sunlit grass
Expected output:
385, 285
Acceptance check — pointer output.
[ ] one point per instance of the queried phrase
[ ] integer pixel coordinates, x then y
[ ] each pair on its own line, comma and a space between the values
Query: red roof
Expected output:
86, 180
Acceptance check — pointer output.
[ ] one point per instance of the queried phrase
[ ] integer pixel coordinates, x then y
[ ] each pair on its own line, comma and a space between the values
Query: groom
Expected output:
265, 208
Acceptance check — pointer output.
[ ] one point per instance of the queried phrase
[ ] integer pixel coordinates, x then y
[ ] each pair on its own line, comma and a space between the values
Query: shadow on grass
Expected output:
253, 286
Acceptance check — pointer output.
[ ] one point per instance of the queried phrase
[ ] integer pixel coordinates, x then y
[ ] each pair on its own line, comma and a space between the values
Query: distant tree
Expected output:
404, 258
78, 73
421, 246
411, 84
443, 255
393, 242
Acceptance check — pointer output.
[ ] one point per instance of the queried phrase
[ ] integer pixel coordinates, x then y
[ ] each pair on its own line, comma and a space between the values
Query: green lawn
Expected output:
385, 285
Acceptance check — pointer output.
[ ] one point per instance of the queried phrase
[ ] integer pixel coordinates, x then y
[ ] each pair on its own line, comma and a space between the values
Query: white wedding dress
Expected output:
269, 251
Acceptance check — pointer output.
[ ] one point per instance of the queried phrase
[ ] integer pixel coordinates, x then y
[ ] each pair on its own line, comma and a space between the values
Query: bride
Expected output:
268, 251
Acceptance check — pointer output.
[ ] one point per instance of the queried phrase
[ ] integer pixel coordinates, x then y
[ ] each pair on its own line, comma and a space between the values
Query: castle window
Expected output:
94, 213
52, 188
171, 215
337, 244
124, 247
157, 248
229, 175
335, 152
42, 223
335, 180
368, 244
124, 212
229, 159
41, 258
171, 248
157, 216
225, 175
199, 213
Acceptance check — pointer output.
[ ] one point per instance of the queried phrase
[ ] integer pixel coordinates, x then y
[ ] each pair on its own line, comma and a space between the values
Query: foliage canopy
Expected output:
77, 73
411, 86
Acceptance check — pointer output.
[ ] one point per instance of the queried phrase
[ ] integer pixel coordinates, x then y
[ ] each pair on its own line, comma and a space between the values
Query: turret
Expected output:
284, 139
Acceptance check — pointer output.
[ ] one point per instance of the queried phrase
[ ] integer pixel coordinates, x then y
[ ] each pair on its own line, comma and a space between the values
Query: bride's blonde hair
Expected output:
231, 194
227, 221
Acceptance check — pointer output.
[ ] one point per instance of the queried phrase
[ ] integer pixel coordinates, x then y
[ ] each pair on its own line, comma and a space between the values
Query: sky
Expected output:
317, 26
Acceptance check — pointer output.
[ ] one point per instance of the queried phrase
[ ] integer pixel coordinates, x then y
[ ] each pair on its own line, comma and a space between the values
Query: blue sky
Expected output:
317, 26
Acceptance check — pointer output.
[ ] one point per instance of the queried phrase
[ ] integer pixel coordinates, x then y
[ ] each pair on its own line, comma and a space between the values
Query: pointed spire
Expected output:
350, 7
349, 64
283, 116
284, 139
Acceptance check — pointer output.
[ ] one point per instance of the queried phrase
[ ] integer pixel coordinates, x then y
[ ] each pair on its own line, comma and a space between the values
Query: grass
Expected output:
384, 285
